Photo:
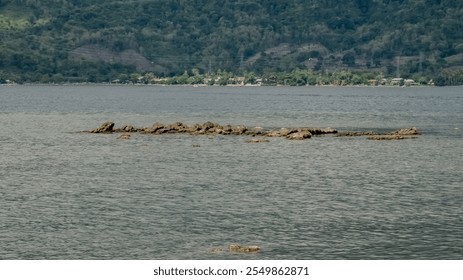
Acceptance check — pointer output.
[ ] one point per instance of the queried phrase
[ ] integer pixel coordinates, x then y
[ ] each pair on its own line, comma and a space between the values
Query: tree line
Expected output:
397, 37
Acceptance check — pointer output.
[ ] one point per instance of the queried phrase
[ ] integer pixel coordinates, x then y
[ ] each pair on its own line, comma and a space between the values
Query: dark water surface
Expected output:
67, 195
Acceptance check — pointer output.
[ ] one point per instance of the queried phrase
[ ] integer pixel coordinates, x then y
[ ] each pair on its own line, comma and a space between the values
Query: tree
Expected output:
349, 59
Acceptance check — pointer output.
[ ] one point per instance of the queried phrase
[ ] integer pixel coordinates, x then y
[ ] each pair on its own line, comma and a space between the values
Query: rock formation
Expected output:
106, 127
211, 129
300, 135
404, 133
126, 128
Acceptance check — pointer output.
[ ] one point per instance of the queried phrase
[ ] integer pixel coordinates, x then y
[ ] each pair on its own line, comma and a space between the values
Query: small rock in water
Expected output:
124, 136
216, 250
243, 249
257, 140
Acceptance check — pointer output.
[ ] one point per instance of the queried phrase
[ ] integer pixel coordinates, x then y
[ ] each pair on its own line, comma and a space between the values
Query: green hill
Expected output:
98, 40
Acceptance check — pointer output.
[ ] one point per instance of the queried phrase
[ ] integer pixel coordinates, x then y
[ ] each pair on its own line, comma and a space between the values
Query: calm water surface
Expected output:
67, 195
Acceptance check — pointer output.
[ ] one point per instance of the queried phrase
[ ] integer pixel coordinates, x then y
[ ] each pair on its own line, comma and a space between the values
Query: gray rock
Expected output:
257, 140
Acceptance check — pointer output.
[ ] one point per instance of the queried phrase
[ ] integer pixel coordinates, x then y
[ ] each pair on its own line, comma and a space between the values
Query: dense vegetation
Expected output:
95, 41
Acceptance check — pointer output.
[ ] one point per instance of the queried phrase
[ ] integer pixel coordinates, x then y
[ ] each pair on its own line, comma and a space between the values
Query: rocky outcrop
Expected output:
283, 132
404, 133
299, 135
207, 128
211, 129
126, 128
322, 131
106, 127
155, 128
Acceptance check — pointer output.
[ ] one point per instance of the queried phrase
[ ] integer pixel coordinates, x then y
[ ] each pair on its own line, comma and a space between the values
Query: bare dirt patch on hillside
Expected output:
100, 53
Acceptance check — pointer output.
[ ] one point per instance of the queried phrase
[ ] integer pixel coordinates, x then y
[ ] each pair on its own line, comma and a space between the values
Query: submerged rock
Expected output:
355, 133
216, 250
124, 136
385, 137
390, 137
257, 140
235, 248
405, 131
243, 249
282, 132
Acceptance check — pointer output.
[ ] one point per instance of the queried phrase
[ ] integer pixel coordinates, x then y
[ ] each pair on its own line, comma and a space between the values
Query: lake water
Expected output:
67, 195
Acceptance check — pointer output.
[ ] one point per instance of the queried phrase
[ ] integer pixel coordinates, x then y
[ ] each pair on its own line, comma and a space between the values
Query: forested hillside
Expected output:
89, 40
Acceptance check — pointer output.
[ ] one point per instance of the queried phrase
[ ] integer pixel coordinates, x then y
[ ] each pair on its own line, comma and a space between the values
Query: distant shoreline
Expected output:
205, 85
